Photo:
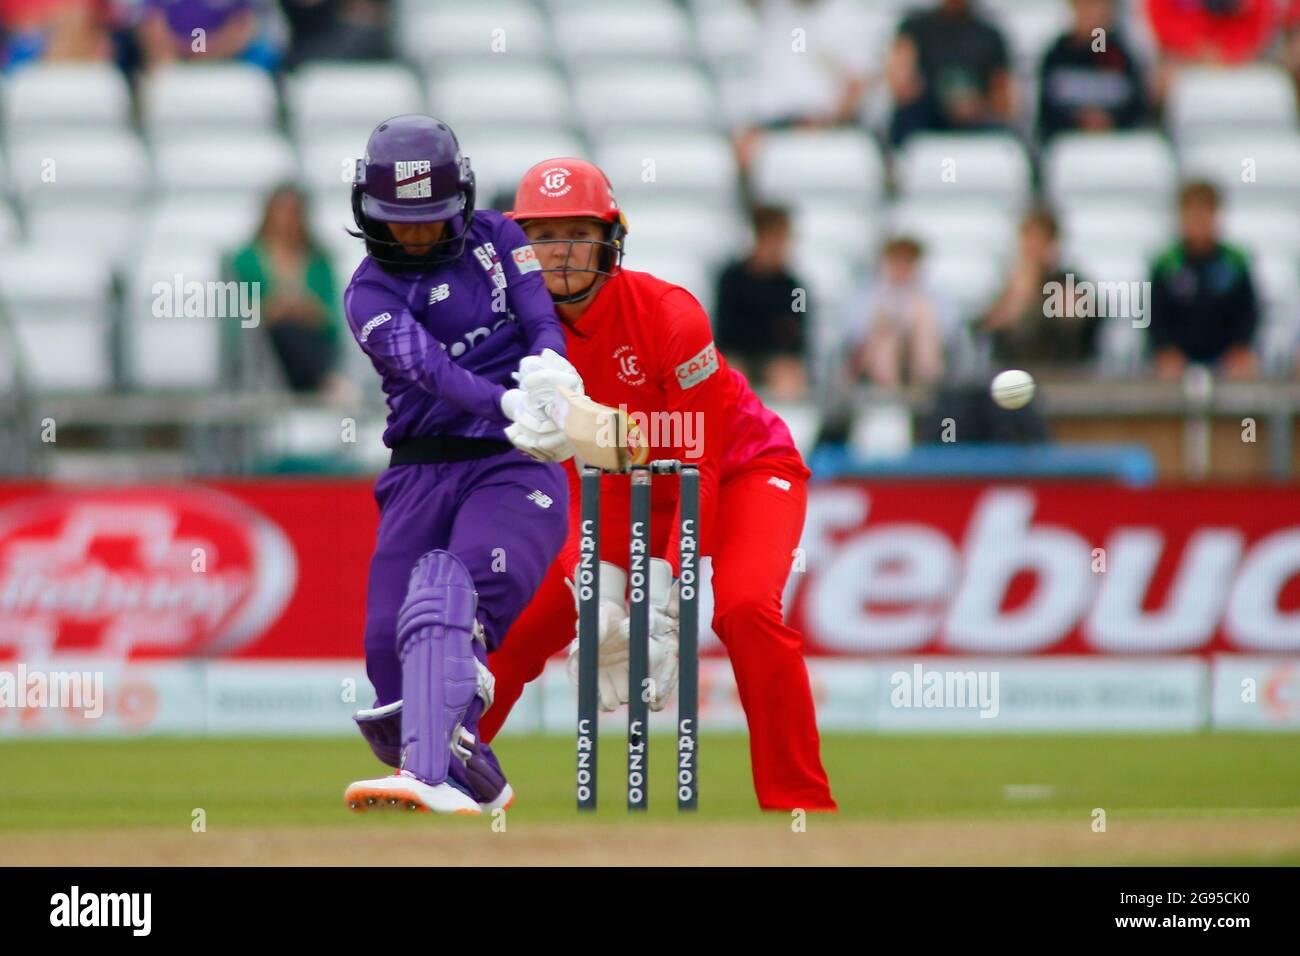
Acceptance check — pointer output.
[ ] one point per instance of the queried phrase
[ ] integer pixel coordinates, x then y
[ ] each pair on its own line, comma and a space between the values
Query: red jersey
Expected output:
647, 345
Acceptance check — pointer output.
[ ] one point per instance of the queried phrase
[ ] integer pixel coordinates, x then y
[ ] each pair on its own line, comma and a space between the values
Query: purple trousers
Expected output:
504, 517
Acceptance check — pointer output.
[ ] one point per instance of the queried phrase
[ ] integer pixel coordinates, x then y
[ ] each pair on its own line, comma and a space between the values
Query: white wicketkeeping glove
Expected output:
665, 621
612, 683
532, 432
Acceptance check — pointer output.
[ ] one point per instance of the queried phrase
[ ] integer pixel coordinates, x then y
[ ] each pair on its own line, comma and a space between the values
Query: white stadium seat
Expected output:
682, 162
1101, 228
60, 313
1250, 100
664, 95
1113, 167
211, 98
991, 167
1263, 229
209, 164
186, 223
435, 31
790, 166
649, 28
62, 168
329, 162
11, 232
500, 155
969, 282
348, 100
1249, 169
331, 218
109, 232
505, 92
678, 267
727, 32
165, 350
840, 230
956, 228
712, 231
67, 96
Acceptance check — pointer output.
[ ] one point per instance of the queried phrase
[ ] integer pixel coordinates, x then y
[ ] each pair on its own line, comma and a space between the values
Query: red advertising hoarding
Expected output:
276, 569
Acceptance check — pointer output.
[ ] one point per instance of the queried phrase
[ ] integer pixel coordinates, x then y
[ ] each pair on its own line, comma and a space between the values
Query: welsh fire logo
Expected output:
138, 572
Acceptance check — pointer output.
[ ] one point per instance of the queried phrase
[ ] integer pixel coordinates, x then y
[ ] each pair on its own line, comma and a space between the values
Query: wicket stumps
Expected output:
639, 686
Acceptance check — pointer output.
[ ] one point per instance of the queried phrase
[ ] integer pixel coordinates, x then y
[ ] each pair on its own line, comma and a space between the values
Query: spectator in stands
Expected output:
55, 30
1030, 325
1217, 32
894, 328
336, 30
761, 310
948, 71
299, 296
172, 30
1089, 79
1203, 306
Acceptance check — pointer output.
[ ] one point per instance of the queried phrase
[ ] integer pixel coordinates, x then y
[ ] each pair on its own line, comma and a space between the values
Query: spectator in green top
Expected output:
300, 299
1203, 306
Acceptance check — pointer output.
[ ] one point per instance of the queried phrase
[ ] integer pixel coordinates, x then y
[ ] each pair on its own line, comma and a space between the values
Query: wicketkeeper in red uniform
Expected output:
646, 344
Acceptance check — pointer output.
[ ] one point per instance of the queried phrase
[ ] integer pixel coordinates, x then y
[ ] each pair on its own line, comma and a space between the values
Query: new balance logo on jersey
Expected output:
542, 500
779, 482
439, 292
373, 324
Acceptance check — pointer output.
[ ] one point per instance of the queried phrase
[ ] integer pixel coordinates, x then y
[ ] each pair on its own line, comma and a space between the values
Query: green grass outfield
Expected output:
254, 782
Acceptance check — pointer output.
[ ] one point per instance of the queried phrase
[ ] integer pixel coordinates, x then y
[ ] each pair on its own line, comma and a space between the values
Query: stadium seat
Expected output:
64, 96
1263, 229
727, 32
1098, 228
331, 218
63, 168
843, 229
687, 163
956, 228
1136, 168
209, 164
680, 268
1277, 283
61, 317
432, 32
656, 29
108, 231
500, 92
501, 154
189, 224
791, 166
969, 282
329, 161
345, 100
712, 231
11, 232
169, 351
991, 167
211, 98
1253, 100
1257, 170
666, 95
1030, 28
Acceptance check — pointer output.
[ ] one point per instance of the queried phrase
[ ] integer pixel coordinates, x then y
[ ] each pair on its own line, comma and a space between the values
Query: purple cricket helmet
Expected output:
413, 172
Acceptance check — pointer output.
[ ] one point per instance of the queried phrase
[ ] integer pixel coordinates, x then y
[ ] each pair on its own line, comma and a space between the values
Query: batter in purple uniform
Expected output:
448, 303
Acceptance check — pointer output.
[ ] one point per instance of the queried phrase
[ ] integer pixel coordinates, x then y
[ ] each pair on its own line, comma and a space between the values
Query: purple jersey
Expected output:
186, 16
445, 341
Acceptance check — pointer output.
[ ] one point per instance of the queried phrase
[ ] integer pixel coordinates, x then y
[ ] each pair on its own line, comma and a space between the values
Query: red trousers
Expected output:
757, 529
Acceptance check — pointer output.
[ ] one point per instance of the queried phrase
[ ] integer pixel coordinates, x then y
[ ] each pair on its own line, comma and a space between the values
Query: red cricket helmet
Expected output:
570, 188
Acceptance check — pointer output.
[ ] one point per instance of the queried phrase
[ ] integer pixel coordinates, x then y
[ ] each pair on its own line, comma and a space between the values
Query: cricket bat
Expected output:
601, 436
